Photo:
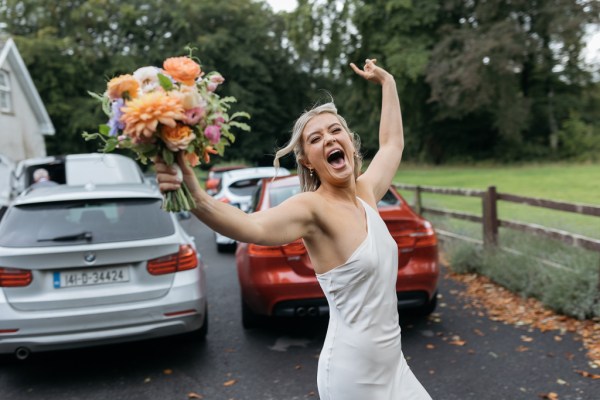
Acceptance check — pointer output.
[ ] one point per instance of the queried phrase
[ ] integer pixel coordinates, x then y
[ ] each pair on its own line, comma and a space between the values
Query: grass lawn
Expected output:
573, 183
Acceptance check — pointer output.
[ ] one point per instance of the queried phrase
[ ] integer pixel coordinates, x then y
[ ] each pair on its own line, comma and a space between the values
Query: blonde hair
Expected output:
307, 182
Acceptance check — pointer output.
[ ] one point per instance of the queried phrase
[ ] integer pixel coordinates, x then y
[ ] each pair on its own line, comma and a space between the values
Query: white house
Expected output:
23, 118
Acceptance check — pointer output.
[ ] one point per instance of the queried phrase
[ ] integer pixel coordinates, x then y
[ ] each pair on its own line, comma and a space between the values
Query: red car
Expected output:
279, 281
214, 176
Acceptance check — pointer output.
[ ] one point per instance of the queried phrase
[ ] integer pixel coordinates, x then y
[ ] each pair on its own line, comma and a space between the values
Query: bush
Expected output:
571, 287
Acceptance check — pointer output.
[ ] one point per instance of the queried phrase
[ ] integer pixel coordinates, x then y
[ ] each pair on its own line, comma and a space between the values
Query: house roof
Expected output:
9, 54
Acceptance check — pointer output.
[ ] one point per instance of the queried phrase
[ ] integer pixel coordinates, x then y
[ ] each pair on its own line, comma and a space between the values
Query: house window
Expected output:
5, 99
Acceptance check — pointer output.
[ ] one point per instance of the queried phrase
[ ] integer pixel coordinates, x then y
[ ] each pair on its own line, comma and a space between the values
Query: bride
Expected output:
354, 256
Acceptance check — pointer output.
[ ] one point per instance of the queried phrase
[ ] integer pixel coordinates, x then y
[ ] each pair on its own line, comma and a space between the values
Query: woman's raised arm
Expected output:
378, 177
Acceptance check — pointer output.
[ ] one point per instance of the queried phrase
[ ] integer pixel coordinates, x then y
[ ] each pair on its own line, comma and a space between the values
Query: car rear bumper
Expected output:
181, 310
280, 292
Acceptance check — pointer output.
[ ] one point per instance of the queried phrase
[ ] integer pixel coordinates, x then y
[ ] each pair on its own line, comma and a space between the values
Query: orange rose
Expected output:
117, 87
182, 69
178, 137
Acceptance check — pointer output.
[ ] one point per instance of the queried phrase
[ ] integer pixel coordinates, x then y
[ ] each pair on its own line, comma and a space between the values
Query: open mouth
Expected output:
336, 158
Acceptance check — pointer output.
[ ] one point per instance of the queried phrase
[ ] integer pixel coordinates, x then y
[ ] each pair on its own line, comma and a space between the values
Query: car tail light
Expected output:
13, 277
255, 250
183, 260
296, 248
424, 236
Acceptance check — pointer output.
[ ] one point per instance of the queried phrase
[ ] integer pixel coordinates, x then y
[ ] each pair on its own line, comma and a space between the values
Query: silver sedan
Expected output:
89, 265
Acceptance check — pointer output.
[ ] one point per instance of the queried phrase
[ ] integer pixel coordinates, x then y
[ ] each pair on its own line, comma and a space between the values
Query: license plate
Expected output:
89, 277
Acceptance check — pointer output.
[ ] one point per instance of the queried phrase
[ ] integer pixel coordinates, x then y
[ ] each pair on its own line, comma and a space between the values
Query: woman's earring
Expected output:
311, 173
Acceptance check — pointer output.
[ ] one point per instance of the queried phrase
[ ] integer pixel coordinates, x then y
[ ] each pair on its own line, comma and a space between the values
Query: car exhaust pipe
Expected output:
313, 312
301, 312
22, 353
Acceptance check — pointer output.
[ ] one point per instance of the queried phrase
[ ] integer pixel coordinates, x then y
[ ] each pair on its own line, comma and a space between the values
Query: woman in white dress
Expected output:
352, 252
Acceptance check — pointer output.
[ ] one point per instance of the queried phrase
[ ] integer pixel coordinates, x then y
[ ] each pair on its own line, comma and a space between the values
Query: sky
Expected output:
591, 53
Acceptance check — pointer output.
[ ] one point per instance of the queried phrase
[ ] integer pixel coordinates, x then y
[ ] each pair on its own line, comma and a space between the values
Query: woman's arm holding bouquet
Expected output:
278, 225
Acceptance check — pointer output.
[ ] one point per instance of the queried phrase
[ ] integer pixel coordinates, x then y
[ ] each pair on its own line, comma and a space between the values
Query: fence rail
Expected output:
490, 221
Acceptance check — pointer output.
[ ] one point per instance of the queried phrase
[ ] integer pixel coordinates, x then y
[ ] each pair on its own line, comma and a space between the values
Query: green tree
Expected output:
71, 47
517, 62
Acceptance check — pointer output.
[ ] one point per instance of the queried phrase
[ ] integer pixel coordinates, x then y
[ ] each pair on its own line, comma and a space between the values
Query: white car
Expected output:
236, 188
94, 264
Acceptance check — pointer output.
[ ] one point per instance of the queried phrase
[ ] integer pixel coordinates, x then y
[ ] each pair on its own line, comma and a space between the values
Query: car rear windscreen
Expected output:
244, 187
84, 222
280, 194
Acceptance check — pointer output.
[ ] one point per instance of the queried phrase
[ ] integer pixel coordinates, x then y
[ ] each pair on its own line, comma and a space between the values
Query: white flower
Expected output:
189, 96
148, 78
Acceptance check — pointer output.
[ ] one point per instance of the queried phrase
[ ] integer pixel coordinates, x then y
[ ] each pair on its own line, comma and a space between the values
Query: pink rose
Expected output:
219, 120
193, 115
218, 79
211, 86
214, 81
213, 133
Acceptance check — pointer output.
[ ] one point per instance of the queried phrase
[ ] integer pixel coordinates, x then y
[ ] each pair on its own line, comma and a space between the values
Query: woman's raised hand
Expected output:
371, 72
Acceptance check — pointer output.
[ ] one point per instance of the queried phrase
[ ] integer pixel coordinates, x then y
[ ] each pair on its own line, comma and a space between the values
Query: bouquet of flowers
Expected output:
162, 111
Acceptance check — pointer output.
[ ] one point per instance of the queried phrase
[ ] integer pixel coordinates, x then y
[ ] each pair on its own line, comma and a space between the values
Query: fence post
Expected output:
490, 218
418, 199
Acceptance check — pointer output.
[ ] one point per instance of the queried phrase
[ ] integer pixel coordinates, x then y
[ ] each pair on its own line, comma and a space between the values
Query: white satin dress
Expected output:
362, 356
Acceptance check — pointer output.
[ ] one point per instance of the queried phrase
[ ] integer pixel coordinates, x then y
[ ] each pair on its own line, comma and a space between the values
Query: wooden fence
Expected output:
490, 221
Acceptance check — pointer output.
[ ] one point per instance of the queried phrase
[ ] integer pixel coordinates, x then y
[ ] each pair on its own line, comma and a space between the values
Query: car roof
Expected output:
225, 168
283, 181
86, 192
255, 172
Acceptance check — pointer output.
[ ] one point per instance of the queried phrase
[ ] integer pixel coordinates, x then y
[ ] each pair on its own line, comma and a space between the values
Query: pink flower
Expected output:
219, 120
214, 81
213, 133
211, 86
193, 115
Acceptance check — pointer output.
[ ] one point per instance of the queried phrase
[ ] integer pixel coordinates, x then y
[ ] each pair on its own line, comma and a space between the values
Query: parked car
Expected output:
95, 264
6, 169
236, 188
279, 281
74, 169
214, 176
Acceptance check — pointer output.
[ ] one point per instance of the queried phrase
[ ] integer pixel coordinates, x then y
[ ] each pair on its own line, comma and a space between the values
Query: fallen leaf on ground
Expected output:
430, 347
193, 395
501, 304
522, 349
458, 342
526, 338
167, 371
230, 382
549, 396
587, 374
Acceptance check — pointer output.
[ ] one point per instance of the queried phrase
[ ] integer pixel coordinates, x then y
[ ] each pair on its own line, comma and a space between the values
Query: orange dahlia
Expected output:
182, 69
121, 85
177, 137
141, 116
